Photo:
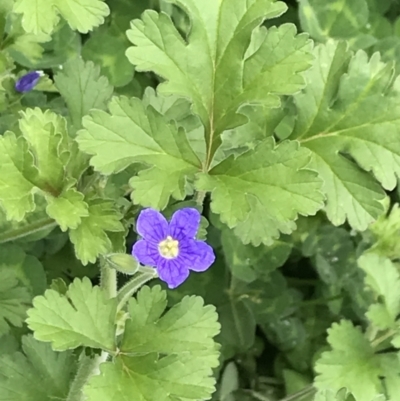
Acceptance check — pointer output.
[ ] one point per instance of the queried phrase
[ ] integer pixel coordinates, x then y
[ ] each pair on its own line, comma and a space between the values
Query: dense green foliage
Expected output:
279, 121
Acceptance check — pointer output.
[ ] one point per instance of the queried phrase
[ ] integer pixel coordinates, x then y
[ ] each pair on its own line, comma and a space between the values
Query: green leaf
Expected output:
170, 357
132, 134
22, 44
68, 209
91, 237
214, 67
189, 326
41, 16
351, 363
385, 231
383, 278
85, 316
41, 160
14, 301
109, 52
25, 268
348, 103
35, 374
333, 19
247, 262
261, 192
83, 89
147, 378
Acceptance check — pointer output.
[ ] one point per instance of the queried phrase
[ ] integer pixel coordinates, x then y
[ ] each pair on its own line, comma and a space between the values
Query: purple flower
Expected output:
28, 81
172, 248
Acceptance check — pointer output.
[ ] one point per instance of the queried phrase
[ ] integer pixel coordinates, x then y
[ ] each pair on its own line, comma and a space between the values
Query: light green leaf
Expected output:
333, 19
35, 374
385, 231
67, 209
85, 316
213, 68
351, 363
14, 301
42, 160
147, 378
21, 43
189, 326
48, 140
342, 114
261, 192
17, 174
132, 134
91, 236
41, 16
83, 89
383, 278
170, 357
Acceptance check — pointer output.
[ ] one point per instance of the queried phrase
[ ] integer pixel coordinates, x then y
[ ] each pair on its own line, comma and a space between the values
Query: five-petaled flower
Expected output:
172, 248
28, 81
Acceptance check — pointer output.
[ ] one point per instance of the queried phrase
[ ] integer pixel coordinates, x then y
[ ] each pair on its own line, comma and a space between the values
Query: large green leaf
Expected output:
215, 67
348, 116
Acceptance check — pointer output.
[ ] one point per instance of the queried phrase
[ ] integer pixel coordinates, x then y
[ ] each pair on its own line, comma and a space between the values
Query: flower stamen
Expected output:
169, 248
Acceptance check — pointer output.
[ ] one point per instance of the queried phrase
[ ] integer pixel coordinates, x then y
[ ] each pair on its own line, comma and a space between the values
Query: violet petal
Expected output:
152, 226
172, 272
185, 223
146, 253
27, 82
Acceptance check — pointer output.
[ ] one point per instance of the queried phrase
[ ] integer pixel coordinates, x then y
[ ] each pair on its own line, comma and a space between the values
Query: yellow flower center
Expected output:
169, 248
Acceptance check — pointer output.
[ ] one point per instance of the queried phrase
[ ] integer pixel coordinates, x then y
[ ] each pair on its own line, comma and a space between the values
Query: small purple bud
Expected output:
28, 81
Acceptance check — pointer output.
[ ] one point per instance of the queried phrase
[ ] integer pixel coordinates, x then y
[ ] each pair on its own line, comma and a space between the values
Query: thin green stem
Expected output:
21, 232
299, 394
200, 196
383, 338
125, 293
319, 301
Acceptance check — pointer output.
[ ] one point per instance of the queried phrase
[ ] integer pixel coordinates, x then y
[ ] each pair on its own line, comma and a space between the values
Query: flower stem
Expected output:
87, 367
200, 196
108, 280
124, 294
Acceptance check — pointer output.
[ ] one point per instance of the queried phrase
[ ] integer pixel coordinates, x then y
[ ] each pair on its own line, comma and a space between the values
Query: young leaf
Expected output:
347, 104
384, 280
40, 161
83, 89
214, 68
91, 236
83, 317
187, 327
262, 191
41, 16
35, 374
162, 358
351, 363
132, 134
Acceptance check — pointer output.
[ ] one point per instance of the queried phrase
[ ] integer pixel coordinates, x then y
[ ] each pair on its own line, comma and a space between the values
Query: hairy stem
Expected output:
145, 274
87, 367
200, 196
